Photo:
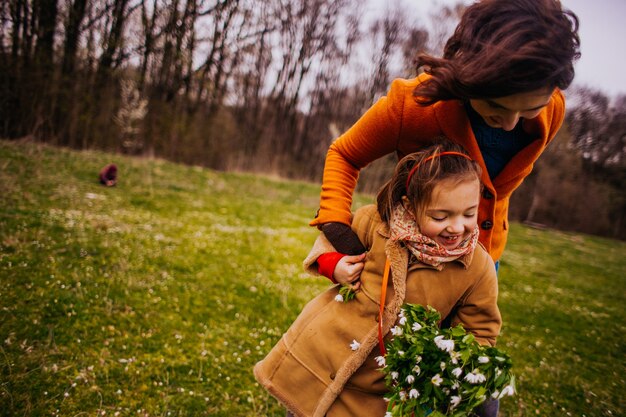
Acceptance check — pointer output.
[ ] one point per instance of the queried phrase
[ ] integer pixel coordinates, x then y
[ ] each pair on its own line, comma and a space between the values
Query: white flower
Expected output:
395, 375
402, 321
508, 390
454, 401
444, 344
402, 395
380, 360
475, 377
416, 327
410, 379
442, 365
414, 393
339, 298
417, 369
388, 414
396, 331
483, 359
400, 353
355, 345
418, 359
446, 391
436, 380
496, 394
454, 357
457, 372
456, 385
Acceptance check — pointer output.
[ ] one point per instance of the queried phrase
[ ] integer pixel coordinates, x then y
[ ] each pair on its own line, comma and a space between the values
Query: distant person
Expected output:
496, 91
423, 235
108, 175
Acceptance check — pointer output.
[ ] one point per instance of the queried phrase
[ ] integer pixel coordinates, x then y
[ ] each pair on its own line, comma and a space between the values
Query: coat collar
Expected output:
455, 124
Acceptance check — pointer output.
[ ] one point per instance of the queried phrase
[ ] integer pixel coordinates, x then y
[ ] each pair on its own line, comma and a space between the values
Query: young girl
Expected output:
423, 232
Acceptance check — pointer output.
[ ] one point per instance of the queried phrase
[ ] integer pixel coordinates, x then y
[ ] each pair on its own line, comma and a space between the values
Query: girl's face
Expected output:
505, 112
452, 213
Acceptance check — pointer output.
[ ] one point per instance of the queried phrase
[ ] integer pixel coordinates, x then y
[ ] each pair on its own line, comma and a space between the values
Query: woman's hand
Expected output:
348, 270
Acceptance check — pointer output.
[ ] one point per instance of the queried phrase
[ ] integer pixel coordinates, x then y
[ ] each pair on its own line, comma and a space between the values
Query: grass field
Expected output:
156, 297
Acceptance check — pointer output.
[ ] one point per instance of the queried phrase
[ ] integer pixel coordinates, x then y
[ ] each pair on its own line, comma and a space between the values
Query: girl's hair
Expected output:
432, 168
504, 47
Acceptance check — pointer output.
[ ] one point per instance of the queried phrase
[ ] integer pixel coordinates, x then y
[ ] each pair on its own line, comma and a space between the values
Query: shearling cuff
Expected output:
320, 247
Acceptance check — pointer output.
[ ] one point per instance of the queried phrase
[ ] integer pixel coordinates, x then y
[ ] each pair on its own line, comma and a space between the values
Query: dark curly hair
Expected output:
503, 47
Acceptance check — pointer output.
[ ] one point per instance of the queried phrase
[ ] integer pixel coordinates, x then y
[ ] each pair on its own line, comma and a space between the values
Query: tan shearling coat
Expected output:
313, 370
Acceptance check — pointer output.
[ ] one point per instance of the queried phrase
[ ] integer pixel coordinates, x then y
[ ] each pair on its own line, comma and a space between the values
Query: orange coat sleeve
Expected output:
373, 136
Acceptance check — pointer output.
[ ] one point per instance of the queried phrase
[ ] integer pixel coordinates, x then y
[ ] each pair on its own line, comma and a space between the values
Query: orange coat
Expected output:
396, 123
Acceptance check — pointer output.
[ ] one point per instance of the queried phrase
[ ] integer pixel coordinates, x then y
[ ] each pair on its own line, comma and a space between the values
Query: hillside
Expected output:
157, 296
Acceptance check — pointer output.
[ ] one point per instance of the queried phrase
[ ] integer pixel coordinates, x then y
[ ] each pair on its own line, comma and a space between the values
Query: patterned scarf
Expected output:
404, 229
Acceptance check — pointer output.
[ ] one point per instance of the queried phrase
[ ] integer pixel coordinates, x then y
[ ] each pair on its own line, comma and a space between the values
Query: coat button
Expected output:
486, 225
332, 375
487, 195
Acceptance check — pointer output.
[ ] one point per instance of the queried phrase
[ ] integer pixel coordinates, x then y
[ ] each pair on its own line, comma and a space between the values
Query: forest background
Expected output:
265, 87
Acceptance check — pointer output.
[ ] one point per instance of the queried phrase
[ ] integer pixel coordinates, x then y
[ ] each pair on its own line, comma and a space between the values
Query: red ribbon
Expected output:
412, 171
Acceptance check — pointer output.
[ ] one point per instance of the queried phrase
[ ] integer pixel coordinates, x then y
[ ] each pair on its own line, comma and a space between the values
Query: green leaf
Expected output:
347, 293
458, 331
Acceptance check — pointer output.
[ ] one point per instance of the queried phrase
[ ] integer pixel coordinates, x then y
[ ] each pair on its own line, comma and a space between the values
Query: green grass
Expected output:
156, 297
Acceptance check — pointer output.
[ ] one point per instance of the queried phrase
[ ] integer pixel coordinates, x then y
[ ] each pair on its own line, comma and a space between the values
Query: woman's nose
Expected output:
509, 120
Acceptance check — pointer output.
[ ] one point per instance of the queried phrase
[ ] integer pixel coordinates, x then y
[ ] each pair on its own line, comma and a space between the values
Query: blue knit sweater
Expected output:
497, 146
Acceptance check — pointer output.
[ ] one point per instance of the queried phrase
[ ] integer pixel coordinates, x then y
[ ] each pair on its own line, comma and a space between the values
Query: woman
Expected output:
496, 91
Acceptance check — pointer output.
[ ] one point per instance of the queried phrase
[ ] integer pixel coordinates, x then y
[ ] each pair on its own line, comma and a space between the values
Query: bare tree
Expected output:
598, 127
388, 31
149, 15
72, 34
415, 43
113, 42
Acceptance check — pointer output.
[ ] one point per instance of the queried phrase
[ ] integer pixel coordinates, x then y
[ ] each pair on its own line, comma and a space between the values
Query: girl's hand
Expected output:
348, 270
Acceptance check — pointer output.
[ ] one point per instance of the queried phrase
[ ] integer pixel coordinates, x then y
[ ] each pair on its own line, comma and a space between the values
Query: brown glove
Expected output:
343, 238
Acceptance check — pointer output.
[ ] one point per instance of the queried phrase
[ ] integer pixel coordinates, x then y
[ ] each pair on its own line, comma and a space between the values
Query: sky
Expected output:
602, 33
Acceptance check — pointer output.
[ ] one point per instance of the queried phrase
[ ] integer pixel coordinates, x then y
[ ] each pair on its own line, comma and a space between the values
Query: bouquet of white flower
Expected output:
440, 372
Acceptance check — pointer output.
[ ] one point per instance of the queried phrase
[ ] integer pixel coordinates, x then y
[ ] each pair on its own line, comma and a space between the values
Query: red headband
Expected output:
408, 179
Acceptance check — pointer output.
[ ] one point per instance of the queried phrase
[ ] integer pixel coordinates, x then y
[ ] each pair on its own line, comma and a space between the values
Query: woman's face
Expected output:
505, 112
